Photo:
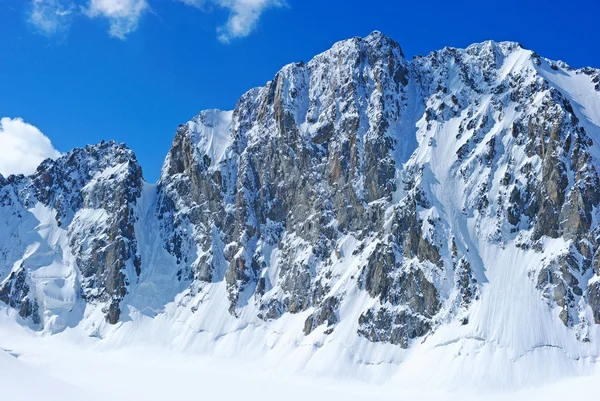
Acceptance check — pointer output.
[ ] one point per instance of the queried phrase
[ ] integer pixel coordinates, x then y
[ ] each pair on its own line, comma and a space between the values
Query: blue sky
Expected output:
132, 70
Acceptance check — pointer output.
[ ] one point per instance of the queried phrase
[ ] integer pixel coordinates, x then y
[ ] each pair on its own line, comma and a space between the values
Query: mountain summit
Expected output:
360, 210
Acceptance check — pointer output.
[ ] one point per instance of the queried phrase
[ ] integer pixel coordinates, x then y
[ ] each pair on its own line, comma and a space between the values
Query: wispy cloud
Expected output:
51, 17
22, 147
54, 16
243, 18
123, 15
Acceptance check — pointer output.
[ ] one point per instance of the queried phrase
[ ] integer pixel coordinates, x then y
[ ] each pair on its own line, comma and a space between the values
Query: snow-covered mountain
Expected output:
359, 213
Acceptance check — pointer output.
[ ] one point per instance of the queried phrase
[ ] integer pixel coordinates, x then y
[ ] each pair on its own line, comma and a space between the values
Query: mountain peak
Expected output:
354, 200
378, 36
379, 40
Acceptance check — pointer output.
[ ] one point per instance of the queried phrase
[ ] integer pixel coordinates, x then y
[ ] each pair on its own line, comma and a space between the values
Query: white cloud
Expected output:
51, 16
243, 17
123, 15
22, 147
54, 16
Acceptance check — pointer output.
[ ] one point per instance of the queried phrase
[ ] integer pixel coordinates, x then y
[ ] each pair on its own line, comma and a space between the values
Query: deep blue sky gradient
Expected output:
83, 86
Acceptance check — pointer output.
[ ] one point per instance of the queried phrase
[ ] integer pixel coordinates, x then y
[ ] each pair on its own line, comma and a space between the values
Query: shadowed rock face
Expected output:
357, 175
92, 192
296, 190
322, 153
104, 255
282, 185
15, 292
594, 300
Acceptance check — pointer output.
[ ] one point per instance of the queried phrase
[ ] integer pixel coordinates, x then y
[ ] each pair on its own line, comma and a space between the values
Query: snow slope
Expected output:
48, 368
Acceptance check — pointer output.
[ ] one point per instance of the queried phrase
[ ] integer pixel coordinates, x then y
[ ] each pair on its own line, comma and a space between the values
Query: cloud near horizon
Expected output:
22, 147
54, 16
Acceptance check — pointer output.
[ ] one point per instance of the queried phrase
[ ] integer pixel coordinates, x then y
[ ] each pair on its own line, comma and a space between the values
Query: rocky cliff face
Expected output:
68, 233
359, 190
353, 144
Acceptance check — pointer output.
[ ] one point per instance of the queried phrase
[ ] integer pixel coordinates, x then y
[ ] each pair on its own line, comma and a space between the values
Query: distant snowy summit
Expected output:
361, 203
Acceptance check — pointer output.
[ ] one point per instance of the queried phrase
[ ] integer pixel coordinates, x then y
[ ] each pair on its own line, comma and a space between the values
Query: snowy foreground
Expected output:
59, 368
